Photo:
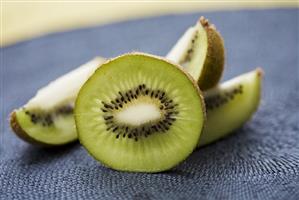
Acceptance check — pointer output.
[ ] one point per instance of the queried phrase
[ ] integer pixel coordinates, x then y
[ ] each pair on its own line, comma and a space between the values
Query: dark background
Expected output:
260, 161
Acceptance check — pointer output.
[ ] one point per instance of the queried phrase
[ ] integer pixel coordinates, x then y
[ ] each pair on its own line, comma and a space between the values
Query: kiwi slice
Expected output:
131, 116
47, 119
201, 52
230, 105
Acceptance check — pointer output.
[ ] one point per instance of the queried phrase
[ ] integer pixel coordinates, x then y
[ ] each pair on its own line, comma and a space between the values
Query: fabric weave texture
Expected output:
259, 161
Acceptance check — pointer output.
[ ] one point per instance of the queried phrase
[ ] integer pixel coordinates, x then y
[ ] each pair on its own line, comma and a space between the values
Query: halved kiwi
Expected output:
230, 105
47, 119
131, 116
201, 51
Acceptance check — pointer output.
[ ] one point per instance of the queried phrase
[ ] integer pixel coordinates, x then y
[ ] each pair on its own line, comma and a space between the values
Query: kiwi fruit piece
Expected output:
230, 105
201, 52
131, 116
47, 119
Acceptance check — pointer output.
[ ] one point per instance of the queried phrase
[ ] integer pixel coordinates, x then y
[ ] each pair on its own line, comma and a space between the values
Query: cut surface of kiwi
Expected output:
47, 119
230, 105
132, 116
201, 52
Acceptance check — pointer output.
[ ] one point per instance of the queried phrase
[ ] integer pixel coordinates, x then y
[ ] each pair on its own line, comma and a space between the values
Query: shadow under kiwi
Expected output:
217, 155
36, 154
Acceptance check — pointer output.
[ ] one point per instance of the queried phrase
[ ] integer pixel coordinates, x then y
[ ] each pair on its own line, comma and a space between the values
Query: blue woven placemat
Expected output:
260, 161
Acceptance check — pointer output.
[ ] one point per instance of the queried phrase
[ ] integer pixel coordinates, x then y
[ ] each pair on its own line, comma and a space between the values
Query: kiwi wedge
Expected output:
47, 119
230, 105
131, 116
201, 52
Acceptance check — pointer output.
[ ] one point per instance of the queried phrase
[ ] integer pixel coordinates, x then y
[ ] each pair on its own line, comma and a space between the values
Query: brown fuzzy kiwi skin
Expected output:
194, 83
215, 58
21, 133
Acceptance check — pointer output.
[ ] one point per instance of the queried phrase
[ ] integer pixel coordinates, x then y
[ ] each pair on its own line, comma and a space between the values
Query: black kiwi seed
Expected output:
171, 119
134, 134
128, 96
65, 110
48, 119
170, 107
220, 99
162, 126
45, 118
106, 106
108, 117
33, 120
152, 93
131, 94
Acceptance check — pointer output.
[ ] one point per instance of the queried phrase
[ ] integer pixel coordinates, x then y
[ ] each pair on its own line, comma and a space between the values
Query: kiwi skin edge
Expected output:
14, 124
215, 58
21, 133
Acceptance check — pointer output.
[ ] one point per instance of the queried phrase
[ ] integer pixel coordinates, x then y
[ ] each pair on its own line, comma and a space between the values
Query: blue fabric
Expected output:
260, 161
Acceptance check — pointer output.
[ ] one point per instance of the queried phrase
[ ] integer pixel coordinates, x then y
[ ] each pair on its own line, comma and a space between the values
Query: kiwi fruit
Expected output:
230, 105
201, 52
131, 116
47, 119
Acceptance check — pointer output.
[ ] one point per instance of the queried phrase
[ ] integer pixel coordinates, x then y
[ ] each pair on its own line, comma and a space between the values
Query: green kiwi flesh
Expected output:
230, 105
201, 52
47, 119
131, 116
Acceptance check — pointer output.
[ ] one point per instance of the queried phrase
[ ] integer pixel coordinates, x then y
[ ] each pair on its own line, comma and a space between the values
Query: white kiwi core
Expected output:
138, 113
